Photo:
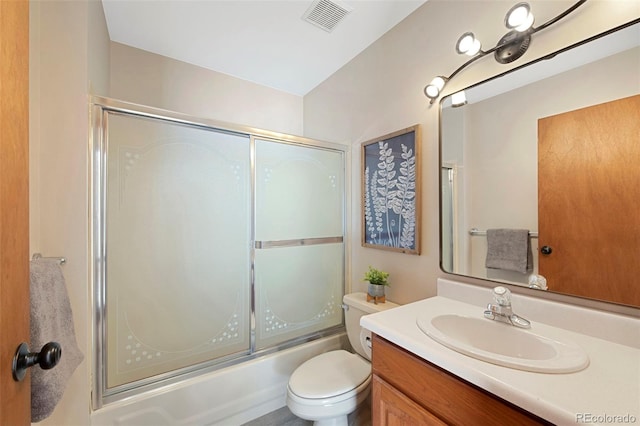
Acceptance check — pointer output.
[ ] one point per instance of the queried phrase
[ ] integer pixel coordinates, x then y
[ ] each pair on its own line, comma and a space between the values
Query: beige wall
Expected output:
68, 54
380, 91
149, 79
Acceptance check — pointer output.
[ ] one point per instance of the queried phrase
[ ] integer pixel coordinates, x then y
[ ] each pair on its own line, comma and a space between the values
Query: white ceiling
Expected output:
263, 41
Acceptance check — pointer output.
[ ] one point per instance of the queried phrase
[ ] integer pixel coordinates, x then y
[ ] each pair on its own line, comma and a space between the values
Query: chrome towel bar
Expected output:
475, 231
37, 256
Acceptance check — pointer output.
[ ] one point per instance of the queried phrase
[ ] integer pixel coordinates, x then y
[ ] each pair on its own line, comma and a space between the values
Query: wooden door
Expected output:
589, 201
15, 402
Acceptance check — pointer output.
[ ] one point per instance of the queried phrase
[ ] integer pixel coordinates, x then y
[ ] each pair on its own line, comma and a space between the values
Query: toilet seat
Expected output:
329, 375
320, 406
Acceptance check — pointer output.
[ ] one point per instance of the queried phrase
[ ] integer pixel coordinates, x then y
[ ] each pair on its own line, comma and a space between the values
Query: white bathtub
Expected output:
230, 396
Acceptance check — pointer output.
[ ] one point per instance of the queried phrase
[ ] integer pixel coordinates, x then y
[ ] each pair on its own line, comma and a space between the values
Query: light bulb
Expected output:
468, 44
475, 48
526, 24
433, 89
438, 82
519, 17
464, 42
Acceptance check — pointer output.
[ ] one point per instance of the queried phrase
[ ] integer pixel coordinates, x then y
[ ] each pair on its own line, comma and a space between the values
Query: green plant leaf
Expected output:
376, 276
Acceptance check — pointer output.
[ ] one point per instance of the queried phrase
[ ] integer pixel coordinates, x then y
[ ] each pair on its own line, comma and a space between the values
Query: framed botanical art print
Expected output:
390, 173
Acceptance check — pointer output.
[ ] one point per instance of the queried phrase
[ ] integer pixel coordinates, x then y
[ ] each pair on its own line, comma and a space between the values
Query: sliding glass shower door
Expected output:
211, 245
177, 230
299, 258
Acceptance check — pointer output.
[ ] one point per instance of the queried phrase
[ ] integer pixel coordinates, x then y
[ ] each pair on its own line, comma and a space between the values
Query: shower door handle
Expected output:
47, 358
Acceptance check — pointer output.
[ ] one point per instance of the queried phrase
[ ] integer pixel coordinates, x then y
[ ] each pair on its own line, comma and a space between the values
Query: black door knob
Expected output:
546, 250
47, 358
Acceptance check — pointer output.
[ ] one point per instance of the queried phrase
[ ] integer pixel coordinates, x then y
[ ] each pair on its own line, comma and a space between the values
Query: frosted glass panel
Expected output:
298, 291
299, 195
177, 232
299, 192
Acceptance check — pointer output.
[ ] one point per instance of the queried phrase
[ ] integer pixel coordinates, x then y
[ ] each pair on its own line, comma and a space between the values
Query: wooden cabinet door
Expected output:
392, 408
589, 200
426, 391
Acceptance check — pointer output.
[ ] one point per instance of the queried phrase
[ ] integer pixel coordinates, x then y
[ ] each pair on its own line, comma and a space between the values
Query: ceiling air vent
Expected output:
326, 14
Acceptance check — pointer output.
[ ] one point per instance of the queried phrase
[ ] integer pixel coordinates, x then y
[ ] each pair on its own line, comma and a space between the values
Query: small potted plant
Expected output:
378, 280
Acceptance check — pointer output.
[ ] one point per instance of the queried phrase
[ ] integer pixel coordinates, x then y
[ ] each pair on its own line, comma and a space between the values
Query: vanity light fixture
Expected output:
519, 20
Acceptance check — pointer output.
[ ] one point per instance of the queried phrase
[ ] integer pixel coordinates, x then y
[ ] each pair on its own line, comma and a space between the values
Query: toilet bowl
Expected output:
331, 385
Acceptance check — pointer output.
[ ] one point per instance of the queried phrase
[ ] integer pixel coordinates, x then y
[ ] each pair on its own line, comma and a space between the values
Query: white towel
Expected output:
509, 249
51, 320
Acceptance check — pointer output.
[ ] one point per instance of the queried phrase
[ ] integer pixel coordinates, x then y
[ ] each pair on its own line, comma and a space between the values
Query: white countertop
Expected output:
609, 387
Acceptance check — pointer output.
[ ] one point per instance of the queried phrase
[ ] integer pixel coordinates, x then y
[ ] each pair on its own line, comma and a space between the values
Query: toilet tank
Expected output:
357, 307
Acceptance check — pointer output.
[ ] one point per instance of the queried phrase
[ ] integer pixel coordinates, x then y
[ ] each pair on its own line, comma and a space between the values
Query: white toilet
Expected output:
331, 385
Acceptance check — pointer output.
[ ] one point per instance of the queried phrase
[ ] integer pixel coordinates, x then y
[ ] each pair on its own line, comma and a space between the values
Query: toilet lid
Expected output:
329, 374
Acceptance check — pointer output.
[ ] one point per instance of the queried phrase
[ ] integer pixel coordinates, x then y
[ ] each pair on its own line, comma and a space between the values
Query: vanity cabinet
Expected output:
408, 390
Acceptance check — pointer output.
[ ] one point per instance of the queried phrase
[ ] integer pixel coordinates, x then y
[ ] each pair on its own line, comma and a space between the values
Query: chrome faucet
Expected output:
501, 311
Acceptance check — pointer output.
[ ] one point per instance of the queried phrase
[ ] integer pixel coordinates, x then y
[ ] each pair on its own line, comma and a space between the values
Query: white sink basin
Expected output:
503, 344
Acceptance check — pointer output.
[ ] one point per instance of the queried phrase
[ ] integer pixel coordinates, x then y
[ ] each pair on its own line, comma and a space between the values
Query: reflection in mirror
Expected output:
551, 148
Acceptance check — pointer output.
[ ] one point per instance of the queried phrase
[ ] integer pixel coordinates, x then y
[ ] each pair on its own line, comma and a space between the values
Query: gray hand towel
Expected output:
509, 249
51, 320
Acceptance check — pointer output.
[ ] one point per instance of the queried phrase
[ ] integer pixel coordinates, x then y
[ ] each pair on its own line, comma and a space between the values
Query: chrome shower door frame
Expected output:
100, 108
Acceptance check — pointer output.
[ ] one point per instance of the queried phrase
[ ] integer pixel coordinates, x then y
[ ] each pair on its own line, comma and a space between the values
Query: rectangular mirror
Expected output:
551, 147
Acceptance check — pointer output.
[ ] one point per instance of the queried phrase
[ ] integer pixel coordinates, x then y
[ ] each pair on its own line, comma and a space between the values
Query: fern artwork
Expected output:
390, 193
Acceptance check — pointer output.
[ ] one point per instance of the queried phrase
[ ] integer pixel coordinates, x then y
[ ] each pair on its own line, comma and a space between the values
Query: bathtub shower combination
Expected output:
212, 245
